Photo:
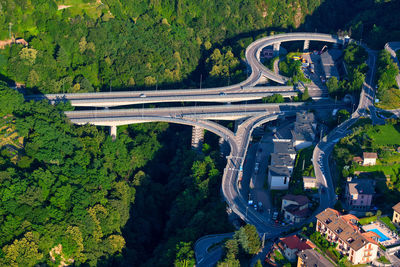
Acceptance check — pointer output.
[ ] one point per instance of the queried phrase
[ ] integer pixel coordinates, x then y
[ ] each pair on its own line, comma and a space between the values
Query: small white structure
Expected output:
310, 182
278, 178
369, 159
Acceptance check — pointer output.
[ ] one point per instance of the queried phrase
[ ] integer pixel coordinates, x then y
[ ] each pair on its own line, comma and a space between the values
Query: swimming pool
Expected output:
382, 236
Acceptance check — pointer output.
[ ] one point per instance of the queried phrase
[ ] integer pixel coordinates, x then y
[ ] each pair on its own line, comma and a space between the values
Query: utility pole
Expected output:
201, 78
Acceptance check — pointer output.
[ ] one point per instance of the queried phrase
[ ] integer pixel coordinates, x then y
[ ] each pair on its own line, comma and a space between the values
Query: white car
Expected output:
142, 95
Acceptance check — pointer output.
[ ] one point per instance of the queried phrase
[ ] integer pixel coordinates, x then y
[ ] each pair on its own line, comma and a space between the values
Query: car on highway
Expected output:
222, 93
256, 167
142, 95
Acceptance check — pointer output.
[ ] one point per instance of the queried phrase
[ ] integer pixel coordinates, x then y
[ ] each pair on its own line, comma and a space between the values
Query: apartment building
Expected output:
360, 247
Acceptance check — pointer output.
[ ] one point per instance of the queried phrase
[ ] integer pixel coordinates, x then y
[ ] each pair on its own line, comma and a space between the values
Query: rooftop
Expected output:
308, 179
283, 146
305, 117
279, 171
370, 155
294, 242
299, 199
397, 207
345, 228
312, 258
361, 186
281, 159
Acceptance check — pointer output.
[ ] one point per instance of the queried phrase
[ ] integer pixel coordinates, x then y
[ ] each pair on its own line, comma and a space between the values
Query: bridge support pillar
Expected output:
197, 137
306, 45
277, 47
113, 132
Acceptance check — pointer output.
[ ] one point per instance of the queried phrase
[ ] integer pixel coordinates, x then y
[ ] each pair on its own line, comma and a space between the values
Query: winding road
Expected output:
254, 115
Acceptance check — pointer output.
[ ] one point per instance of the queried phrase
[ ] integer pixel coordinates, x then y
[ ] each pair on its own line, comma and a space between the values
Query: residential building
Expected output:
304, 130
311, 258
295, 208
360, 247
359, 193
278, 178
284, 146
396, 214
282, 163
282, 160
310, 182
369, 159
358, 160
291, 245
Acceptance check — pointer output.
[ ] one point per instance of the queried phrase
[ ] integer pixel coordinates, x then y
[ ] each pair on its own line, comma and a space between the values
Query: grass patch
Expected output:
384, 260
383, 135
79, 7
367, 220
391, 99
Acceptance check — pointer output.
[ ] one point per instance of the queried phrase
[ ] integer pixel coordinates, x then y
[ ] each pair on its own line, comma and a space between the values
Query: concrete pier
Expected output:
113, 132
197, 138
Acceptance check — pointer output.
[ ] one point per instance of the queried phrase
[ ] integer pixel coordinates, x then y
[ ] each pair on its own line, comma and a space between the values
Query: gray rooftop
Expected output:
279, 171
281, 159
312, 258
305, 117
362, 186
285, 147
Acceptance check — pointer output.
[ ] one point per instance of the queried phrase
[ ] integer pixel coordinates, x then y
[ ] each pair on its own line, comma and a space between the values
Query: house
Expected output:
284, 146
310, 182
291, 245
359, 193
278, 178
282, 160
369, 159
311, 258
304, 130
396, 214
295, 208
360, 247
358, 160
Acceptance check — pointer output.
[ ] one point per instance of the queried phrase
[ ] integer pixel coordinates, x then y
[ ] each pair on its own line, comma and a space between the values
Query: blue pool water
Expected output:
382, 236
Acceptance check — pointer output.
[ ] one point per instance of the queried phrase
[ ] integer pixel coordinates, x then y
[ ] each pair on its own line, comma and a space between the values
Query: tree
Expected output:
248, 239
10, 99
333, 85
184, 255
305, 96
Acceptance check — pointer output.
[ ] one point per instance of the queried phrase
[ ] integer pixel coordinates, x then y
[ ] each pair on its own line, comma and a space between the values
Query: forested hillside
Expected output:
122, 44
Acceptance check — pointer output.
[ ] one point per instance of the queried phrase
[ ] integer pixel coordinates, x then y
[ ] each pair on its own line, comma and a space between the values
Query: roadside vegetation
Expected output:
388, 92
239, 250
383, 139
354, 58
